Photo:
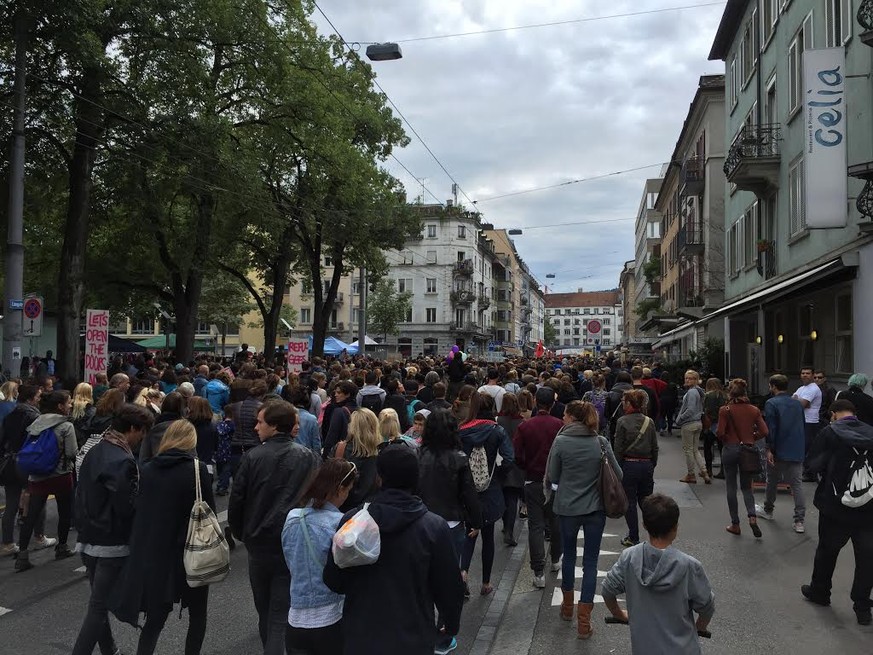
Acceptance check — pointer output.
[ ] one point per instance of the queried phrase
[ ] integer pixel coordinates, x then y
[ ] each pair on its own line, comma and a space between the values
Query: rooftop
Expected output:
583, 299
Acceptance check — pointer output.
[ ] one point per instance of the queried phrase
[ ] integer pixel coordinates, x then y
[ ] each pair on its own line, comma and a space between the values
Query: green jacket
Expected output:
574, 465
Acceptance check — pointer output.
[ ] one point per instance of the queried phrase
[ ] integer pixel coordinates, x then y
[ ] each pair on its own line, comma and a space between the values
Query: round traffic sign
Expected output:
593, 326
32, 308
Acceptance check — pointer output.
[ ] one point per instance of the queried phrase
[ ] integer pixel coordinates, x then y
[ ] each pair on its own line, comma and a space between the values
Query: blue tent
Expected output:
333, 346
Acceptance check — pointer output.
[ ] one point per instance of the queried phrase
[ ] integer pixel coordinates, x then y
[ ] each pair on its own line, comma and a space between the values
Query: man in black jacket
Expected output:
105, 498
269, 481
843, 454
389, 605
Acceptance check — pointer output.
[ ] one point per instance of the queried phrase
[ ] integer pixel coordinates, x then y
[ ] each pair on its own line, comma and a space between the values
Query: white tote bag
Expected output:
207, 556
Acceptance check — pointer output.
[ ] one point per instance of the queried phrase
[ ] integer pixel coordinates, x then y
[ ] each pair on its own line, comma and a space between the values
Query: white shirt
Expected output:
810, 392
495, 392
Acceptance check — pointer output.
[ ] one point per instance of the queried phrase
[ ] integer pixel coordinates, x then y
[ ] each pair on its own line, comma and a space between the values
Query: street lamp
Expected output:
515, 232
384, 52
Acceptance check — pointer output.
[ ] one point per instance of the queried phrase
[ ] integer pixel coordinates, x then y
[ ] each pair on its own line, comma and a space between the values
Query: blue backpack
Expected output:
39, 455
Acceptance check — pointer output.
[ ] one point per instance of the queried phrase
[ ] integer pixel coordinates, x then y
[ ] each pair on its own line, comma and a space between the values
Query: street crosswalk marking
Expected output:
557, 596
578, 573
81, 569
4, 610
581, 549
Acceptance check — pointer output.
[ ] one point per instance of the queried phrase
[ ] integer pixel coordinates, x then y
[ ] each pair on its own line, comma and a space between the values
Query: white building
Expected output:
571, 314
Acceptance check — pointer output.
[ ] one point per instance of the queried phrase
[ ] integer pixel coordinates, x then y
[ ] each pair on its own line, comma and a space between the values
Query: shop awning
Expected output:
676, 334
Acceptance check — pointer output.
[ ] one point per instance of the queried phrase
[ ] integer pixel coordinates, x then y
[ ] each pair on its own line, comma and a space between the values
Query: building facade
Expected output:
627, 287
798, 198
647, 246
571, 313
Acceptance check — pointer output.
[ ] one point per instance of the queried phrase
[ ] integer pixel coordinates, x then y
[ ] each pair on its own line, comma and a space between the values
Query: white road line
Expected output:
222, 517
581, 549
81, 569
578, 573
4, 610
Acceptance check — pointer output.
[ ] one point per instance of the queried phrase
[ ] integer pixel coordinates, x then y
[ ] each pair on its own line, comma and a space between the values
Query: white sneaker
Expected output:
763, 513
539, 581
8, 549
556, 566
798, 527
45, 542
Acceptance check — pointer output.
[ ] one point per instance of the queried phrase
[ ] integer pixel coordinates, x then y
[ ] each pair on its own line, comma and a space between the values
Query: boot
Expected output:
583, 614
567, 605
22, 562
689, 479
62, 551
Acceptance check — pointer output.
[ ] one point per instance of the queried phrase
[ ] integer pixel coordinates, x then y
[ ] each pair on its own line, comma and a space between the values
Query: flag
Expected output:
539, 350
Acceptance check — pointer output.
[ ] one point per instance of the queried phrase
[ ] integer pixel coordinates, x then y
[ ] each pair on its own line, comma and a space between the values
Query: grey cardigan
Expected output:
574, 465
692, 407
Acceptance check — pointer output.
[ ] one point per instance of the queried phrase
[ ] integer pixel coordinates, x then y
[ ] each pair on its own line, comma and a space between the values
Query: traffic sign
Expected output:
16, 304
31, 319
593, 326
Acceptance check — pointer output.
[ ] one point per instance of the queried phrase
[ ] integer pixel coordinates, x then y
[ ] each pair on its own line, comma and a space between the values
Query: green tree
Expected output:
550, 334
386, 307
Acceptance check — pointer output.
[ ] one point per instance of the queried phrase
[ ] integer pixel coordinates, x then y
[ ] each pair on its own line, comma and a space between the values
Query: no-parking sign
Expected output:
31, 317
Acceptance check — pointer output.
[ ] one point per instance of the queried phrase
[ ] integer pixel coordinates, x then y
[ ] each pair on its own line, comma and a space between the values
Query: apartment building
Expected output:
798, 198
627, 287
648, 234
571, 314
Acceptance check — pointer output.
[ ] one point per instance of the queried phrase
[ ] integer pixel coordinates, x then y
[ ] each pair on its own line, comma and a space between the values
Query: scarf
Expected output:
117, 439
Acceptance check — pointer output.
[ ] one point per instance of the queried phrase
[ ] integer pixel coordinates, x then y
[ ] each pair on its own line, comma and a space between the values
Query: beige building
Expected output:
627, 287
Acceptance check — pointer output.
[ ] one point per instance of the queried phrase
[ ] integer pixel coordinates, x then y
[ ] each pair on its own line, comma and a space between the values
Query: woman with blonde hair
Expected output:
9, 394
154, 576
83, 411
389, 428
361, 447
574, 466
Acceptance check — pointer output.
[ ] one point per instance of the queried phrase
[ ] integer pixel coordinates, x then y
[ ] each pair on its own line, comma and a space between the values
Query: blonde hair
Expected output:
9, 390
180, 435
364, 437
389, 424
691, 373
141, 398
83, 396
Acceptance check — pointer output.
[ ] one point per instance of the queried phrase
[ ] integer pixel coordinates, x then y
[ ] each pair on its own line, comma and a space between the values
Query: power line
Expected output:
560, 184
589, 19
396, 108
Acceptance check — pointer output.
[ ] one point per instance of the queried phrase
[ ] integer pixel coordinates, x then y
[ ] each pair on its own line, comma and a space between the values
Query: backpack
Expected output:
859, 485
479, 468
618, 412
39, 455
412, 408
373, 402
599, 402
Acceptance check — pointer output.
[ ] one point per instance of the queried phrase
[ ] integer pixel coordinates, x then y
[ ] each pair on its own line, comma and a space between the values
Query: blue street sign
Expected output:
16, 304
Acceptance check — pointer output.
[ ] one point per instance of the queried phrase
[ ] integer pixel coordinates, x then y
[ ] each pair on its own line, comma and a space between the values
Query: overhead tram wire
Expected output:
396, 108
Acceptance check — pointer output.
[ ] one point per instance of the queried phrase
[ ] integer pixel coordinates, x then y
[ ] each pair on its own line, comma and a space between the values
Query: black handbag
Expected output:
749, 456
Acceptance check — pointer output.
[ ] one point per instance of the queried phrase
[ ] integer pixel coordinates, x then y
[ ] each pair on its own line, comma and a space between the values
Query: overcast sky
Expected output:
522, 109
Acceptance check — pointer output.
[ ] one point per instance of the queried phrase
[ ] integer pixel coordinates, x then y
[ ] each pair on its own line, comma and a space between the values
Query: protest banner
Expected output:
96, 344
297, 351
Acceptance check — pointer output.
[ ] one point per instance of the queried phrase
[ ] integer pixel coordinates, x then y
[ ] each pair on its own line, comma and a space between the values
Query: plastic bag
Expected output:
357, 542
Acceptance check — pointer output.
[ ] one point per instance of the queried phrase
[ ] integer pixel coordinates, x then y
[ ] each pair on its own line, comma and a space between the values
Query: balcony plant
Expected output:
764, 245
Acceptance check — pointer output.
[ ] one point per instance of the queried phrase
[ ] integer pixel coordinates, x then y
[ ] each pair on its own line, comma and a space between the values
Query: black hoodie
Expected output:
389, 605
843, 453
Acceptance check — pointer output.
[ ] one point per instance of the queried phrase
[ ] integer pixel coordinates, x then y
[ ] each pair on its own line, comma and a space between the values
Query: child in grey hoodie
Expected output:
663, 587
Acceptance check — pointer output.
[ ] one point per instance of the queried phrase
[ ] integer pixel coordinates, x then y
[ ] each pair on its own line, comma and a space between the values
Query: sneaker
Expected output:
508, 540
810, 595
763, 513
798, 527
865, 617
62, 551
556, 566
45, 542
448, 647
22, 563
7, 550
627, 542
539, 581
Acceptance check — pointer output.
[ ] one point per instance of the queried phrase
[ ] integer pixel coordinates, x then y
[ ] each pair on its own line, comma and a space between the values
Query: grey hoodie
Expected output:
692, 407
662, 588
67, 445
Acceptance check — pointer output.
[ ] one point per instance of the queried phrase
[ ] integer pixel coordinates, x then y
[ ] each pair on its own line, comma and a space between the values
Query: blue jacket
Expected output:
200, 383
310, 434
307, 585
218, 395
784, 417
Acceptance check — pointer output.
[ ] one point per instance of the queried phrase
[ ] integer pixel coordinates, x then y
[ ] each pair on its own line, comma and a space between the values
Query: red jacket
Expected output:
532, 443
740, 422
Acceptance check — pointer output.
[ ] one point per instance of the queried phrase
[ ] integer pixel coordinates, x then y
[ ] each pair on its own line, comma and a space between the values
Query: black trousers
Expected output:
314, 641
198, 601
832, 536
271, 584
103, 573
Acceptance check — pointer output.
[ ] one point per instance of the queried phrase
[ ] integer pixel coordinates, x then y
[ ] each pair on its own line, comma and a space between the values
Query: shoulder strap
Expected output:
646, 422
197, 480
308, 540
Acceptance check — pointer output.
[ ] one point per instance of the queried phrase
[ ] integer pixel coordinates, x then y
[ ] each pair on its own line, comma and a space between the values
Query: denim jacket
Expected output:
307, 587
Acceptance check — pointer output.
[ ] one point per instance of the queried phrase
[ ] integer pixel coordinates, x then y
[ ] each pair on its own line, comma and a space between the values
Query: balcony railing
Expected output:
524, 301
690, 239
467, 326
340, 298
463, 268
865, 20
462, 296
767, 262
484, 302
692, 180
752, 162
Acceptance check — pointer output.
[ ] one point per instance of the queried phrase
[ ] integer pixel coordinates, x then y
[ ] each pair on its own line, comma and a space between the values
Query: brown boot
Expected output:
689, 479
567, 605
583, 614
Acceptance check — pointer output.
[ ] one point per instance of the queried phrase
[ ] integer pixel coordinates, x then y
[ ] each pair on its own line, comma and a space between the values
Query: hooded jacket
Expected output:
662, 589
149, 446
15, 427
218, 395
843, 453
66, 435
494, 440
389, 605
445, 485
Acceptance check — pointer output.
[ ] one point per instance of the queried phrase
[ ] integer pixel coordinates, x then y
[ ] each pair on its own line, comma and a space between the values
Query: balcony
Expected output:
865, 20
337, 327
767, 259
340, 298
463, 268
864, 203
462, 297
752, 163
526, 312
690, 240
466, 327
691, 179
525, 301
691, 299
484, 302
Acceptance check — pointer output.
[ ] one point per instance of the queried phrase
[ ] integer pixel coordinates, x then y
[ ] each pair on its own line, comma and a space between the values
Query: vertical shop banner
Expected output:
825, 179
96, 344
297, 351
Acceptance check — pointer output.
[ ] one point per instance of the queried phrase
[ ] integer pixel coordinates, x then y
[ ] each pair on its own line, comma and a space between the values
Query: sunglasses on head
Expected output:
352, 471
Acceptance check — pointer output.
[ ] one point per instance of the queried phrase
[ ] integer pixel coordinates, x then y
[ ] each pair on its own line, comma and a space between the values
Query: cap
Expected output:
424, 413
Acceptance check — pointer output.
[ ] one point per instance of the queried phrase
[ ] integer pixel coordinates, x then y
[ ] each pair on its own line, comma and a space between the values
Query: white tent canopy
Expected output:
367, 342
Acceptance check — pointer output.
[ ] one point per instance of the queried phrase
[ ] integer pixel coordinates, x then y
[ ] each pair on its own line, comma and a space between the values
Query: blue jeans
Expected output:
228, 470
592, 530
638, 482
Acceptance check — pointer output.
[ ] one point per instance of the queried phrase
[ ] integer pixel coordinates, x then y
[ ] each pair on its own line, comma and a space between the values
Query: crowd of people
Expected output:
436, 452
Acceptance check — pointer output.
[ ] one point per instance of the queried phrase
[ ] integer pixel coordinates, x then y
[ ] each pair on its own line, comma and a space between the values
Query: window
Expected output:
747, 51
356, 316
306, 287
431, 285
769, 16
566, 321
750, 234
606, 331
328, 260
305, 315
732, 261
460, 316
796, 204
587, 310
838, 20
802, 41
576, 331
461, 256
407, 257
733, 82
771, 110
431, 231
843, 359
404, 284
431, 257
606, 321
142, 326
333, 319
430, 315
408, 317
462, 231
356, 287
567, 331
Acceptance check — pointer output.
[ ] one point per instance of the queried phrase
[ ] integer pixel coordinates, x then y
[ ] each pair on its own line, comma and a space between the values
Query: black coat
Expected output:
15, 427
106, 495
83, 424
154, 576
389, 605
149, 446
445, 484
863, 403
207, 440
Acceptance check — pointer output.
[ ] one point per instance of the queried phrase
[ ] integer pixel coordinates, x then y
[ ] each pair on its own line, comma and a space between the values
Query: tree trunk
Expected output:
186, 300
281, 266
71, 282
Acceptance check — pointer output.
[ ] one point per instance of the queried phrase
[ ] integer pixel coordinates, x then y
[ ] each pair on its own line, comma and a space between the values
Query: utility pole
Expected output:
14, 285
362, 311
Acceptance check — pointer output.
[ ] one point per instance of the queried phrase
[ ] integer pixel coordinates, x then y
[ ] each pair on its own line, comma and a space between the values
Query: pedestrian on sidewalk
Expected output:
843, 455
690, 423
809, 396
713, 400
668, 400
856, 395
270, 479
389, 605
573, 473
510, 475
153, 579
636, 449
533, 441
740, 424
105, 502
663, 586
785, 441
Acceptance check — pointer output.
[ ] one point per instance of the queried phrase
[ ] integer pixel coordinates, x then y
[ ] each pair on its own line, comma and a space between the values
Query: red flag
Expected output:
539, 351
